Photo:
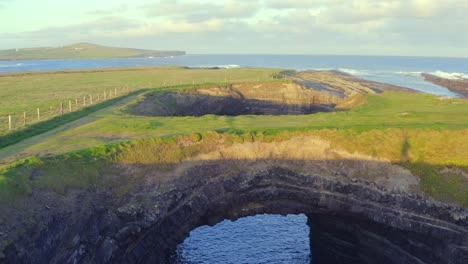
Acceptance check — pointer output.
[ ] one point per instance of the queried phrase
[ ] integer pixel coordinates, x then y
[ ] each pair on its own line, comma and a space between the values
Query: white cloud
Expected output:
199, 11
152, 29
312, 26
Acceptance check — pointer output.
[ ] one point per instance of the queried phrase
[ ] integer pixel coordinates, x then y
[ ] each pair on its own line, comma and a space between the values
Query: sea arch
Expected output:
351, 220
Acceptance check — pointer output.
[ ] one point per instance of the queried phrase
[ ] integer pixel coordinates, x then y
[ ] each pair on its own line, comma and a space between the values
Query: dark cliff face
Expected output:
458, 86
351, 220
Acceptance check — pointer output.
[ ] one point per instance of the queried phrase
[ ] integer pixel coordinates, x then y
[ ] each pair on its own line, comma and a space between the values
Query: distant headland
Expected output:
83, 51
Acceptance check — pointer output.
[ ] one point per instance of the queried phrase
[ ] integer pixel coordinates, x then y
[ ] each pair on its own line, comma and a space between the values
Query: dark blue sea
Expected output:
270, 238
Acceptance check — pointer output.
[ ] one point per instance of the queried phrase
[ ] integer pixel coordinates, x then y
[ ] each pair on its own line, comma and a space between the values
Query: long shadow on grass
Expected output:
41, 127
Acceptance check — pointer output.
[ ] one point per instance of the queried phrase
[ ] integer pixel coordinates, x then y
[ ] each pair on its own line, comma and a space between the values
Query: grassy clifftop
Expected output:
420, 133
82, 51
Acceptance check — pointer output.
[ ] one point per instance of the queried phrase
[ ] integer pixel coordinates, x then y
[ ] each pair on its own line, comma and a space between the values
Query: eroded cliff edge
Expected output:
140, 206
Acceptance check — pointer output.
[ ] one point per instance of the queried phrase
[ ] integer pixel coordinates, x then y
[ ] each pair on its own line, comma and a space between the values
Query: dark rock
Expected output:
353, 220
106, 250
128, 231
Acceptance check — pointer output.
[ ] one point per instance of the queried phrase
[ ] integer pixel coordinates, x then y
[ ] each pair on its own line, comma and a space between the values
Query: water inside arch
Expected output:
264, 238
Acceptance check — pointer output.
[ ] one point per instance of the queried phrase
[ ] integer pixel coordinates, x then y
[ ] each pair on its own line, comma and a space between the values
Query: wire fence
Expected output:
19, 120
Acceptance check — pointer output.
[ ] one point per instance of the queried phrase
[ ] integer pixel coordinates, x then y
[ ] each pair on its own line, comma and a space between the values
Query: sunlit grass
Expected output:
423, 133
25, 92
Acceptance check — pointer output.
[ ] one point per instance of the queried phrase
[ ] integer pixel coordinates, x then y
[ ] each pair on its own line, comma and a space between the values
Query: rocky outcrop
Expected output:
352, 220
457, 86
341, 85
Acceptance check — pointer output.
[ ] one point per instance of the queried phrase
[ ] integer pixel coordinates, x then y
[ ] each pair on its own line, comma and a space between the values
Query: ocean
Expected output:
270, 238
260, 239
403, 71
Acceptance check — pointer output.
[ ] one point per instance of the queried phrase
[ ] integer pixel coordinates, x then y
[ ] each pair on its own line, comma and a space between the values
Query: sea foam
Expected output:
450, 75
227, 66
352, 71
410, 73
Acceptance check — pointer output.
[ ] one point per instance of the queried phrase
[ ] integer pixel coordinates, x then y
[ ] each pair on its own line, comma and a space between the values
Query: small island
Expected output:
459, 86
83, 51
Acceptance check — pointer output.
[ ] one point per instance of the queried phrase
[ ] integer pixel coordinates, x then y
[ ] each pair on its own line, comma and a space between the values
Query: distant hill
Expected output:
82, 51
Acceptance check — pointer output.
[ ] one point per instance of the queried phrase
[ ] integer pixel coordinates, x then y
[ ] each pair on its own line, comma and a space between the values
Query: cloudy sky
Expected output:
383, 27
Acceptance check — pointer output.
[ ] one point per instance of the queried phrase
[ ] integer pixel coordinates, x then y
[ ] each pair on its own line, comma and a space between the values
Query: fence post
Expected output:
105, 95
84, 100
61, 108
38, 114
24, 118
9, 122
115, 92
91, 98
69, 105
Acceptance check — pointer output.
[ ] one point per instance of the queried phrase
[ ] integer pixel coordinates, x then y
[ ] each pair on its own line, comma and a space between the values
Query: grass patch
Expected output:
38, 128
448, 188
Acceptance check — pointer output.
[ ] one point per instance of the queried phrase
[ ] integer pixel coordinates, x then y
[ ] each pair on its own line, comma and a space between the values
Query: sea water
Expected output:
254, 239
403, 71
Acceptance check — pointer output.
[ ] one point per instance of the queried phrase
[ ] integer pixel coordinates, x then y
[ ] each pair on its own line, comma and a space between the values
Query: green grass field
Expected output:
423, 133
25, 92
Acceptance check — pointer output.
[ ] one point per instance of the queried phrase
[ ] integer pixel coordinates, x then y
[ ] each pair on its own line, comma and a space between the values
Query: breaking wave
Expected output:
450, 75
227, 66
410, 73
352, 71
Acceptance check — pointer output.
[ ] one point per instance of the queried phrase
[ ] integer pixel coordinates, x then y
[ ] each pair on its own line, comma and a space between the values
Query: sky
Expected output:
342, 27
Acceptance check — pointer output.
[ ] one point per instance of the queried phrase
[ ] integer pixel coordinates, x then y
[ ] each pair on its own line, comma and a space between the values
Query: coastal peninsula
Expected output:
83, 51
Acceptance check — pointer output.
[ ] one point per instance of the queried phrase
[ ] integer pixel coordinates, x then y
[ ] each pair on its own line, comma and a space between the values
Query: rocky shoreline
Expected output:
458, 86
